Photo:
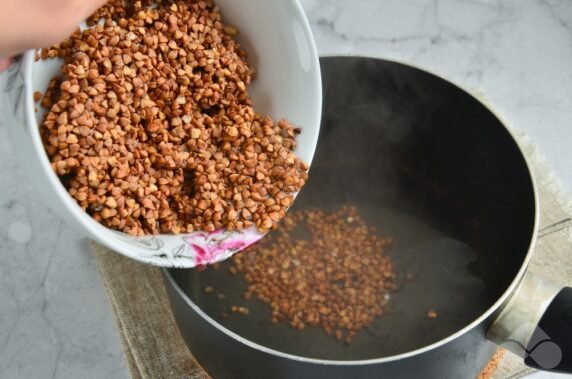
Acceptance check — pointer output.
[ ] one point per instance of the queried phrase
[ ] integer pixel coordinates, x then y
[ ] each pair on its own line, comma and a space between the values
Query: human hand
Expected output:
30, 24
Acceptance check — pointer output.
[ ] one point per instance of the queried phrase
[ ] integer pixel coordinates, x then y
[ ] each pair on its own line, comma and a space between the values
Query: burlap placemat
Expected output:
154, 348
151, 342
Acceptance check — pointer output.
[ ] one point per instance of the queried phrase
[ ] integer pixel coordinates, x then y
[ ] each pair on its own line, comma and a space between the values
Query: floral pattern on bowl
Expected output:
193, 249
216, 246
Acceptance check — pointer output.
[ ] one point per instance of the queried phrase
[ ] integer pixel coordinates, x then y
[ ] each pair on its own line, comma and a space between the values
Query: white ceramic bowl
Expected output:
277, 37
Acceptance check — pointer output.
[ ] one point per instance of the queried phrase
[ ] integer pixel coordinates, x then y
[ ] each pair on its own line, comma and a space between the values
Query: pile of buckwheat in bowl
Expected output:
151, 128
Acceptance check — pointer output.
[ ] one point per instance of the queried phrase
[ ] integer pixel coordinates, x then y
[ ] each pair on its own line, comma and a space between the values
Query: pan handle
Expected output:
536, 324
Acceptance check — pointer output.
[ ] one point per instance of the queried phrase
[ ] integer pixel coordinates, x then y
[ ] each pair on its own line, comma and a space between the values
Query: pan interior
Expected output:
429, 166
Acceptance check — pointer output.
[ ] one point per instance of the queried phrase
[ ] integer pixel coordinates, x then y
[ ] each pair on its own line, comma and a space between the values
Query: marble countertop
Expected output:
515, 54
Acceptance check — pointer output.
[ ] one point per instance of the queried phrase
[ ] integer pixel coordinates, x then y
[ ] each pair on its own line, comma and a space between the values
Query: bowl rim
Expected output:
502, 300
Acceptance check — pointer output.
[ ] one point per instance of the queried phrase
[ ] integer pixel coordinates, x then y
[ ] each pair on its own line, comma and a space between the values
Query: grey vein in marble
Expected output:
516, 55
54, 318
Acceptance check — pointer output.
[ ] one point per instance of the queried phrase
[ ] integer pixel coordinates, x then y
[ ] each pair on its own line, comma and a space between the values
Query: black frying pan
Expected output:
434, 169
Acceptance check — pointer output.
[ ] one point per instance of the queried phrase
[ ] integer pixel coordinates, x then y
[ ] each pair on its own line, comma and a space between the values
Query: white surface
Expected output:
517, 54
293, 69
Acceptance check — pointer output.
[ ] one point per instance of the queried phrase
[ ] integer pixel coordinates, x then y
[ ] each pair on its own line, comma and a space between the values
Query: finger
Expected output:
5, 63
89, 7
46, 22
